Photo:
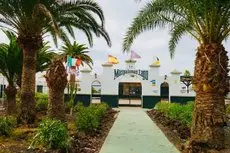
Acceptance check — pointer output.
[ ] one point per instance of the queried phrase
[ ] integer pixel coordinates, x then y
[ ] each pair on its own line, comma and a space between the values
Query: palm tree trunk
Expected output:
30, 46
11, 92
28, 111
211, 85
72, 81
56, 79
56, 107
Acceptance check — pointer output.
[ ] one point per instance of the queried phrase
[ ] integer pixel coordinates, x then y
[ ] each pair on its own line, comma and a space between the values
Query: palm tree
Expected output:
33, 20
10, 68
56, 79
44, 59
80, 52
208, 22
11, 58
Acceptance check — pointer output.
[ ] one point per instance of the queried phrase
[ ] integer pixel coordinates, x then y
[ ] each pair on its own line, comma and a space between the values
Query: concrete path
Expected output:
134, 132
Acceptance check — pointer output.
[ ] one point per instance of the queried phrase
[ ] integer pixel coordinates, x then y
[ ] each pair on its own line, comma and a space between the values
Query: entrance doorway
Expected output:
130, 94
96, 91
165, 91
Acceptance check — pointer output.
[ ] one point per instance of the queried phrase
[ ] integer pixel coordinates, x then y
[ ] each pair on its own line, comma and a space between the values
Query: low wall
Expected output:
85, 99
111, 100
150, 101
181, 100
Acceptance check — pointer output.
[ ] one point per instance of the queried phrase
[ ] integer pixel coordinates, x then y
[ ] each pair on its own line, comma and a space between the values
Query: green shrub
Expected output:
179, 112
228, 109
89, 118
7, 124
41, 101
163, 107
186, 115
175, 110
52, 134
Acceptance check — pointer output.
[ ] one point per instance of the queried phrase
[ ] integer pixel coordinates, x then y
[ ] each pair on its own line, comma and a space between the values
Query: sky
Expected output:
118, 17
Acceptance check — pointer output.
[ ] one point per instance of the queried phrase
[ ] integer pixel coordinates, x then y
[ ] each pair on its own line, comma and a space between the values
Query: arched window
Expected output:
96, 91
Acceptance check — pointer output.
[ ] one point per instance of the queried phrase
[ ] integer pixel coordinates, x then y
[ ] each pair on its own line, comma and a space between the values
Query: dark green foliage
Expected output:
56, 18
41, 101
89, 118
175, 111
52, 134
7, 124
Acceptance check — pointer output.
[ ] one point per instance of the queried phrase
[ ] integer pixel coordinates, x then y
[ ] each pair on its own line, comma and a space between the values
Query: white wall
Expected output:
109, 85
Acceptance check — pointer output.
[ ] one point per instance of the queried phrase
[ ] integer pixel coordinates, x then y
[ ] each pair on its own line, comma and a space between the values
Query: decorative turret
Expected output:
154, 70
130, 64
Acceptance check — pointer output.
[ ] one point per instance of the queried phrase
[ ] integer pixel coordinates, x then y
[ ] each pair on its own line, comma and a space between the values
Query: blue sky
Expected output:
118, 16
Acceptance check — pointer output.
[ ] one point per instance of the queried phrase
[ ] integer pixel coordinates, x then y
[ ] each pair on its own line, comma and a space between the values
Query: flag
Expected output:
157, 61
112, 59
78, 62
77, 72
69, 61
73, 61
72, 70
134, 55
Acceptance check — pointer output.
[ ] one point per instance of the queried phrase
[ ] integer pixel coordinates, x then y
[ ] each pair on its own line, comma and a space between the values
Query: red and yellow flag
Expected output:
112, 59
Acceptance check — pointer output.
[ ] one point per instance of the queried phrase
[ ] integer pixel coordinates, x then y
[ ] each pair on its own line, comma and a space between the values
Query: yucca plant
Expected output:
33, 20
208, 22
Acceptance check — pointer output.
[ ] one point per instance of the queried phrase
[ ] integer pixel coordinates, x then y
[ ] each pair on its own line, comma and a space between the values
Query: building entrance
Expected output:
130, 94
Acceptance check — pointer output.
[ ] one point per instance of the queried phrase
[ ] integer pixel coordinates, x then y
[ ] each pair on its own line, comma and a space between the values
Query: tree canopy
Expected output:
207, 21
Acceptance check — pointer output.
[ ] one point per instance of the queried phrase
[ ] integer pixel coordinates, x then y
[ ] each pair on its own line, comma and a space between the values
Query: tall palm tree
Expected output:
44, 59
208, 22
11, 58
32, 20
80, 52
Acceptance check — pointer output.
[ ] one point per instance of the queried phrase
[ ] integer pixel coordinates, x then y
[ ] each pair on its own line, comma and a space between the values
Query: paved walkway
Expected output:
134, 132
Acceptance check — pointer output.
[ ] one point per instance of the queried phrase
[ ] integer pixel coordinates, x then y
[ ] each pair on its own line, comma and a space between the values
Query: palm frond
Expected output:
207, 21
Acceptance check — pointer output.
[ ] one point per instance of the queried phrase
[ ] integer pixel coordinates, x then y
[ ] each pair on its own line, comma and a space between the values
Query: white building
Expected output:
128, 86
143, 87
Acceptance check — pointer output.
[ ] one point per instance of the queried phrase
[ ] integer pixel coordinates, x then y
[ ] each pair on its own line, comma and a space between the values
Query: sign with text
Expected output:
143, 73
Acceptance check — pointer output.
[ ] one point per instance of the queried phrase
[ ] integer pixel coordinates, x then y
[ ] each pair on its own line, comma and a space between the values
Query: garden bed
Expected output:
21, 137
178, 132
92, 143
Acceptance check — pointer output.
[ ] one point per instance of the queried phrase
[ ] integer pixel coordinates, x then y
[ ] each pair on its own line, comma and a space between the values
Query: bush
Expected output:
52, 134
7, 124
163, 107
175, 111
179, 112
41, 101
186, 115
89, 118
228, 109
